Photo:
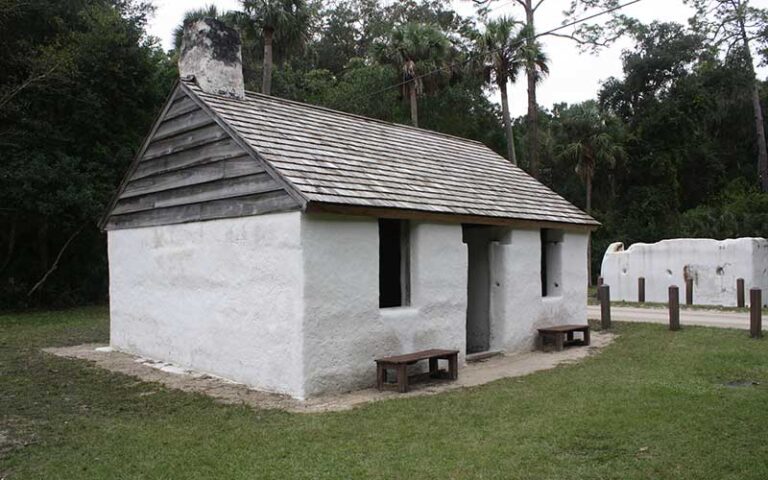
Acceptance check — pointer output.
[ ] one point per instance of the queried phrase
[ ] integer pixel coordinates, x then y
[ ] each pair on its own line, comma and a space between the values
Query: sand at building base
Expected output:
225, 391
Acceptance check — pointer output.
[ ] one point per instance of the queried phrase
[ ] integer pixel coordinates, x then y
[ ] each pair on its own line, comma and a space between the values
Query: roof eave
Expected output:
139, 154
445, 217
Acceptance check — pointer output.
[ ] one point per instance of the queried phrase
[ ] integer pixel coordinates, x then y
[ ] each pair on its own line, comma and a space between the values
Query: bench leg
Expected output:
453, 366
586, 337
559, 341
543, 341
433, 372
402, 378
381, 376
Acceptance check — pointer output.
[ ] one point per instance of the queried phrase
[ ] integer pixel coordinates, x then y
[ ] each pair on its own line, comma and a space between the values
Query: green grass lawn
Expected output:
652, 405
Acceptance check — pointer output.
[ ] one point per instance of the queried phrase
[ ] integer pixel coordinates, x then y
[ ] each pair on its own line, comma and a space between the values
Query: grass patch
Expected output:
652, 405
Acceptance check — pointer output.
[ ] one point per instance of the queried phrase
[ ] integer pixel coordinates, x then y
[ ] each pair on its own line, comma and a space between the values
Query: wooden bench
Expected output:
562, 335
400, 364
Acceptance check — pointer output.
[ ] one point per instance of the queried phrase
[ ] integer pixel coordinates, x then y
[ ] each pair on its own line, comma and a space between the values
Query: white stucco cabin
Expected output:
287, 246
712, 265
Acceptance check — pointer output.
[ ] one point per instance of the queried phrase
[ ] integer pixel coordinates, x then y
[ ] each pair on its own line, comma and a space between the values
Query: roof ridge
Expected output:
249, 93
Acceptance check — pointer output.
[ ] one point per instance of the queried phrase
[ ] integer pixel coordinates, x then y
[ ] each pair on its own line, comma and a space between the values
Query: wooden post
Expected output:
604, 294
674, 308
689, 291
641, 289
740, 292
755, 313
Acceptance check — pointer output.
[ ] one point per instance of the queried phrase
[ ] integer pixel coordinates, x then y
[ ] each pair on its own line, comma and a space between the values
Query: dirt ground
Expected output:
472, 374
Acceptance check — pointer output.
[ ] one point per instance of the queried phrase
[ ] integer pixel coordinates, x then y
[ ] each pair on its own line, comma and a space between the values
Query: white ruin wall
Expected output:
713, 265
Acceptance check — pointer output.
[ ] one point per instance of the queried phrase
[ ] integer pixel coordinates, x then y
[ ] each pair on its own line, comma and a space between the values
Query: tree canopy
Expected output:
668, 148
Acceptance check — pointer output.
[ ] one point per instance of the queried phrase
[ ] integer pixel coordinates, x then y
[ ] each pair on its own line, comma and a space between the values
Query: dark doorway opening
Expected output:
478, 239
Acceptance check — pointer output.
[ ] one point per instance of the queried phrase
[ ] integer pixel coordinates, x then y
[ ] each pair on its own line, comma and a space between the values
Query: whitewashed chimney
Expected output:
211, 52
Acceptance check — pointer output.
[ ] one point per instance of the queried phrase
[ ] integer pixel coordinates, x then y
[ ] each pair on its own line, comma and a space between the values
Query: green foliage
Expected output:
668, 147
416, 49
739, 210
499, 47
729, 23
67, 136
590, 139
290, 20
349, 91
681, 118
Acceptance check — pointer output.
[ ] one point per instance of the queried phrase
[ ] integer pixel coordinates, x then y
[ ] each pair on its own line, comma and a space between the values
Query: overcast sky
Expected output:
574, 76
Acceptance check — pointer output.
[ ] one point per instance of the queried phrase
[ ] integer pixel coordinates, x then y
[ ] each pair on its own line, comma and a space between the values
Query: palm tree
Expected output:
506, 51
190, 16
537, 67
415, 49
591, 142
499, 47
286, 21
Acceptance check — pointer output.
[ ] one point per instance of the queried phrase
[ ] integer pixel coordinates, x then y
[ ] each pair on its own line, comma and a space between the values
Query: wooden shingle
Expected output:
211, 156
335, 158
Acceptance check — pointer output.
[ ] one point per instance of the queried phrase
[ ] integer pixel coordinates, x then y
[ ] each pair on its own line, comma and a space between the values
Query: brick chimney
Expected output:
210, 51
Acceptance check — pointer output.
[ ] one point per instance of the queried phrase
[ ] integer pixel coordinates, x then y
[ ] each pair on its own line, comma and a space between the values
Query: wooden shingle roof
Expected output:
334, 158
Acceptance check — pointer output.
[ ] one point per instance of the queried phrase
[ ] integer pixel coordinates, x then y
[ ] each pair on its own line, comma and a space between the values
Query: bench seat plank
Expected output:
416, 356
564, 329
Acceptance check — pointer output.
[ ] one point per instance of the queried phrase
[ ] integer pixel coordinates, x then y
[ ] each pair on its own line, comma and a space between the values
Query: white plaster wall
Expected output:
714, 266
221, 296
288, 302
343, 326
517, 306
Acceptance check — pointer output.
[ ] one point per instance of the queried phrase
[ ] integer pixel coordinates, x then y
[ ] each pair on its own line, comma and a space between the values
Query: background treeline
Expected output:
670, 149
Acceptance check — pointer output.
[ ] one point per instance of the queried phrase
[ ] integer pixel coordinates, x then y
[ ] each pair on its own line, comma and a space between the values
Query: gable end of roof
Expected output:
191, 169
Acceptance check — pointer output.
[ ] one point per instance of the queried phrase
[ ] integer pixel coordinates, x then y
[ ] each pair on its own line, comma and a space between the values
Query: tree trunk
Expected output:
55, 263
588, 182
589, 237
42, 244
414, 103
507, 123
11, 242
266, 82
762, 151
589, 259
533, 110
